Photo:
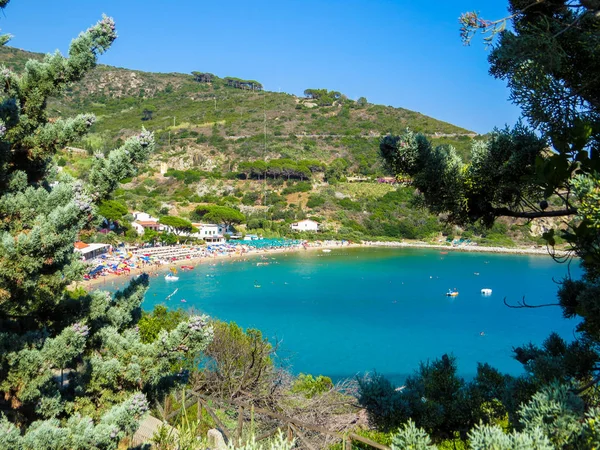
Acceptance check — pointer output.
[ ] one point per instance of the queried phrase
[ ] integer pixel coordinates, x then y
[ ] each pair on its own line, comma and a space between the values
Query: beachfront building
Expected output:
305, 225
144, 220
210, 232
91, 251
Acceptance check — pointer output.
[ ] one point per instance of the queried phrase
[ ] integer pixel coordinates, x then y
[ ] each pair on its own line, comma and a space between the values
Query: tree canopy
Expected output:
549, 58
280, 168
112, 210
73, 370
220, 214
238, 83
202, 77
323, 96
177, 225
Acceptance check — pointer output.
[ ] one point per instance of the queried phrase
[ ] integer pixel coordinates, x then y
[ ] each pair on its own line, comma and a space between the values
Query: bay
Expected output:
352, 311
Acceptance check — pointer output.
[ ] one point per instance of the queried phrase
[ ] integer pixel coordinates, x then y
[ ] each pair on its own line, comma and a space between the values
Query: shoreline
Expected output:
465, 248
156, 270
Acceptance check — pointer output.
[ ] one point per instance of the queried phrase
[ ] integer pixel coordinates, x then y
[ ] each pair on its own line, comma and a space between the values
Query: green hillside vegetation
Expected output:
276, 157
227, 115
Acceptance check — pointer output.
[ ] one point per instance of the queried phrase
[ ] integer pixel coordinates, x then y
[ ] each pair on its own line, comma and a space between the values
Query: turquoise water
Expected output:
355, 310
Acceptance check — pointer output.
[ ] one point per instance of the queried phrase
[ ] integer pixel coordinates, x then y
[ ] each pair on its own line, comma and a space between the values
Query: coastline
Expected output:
465, 248
313, 246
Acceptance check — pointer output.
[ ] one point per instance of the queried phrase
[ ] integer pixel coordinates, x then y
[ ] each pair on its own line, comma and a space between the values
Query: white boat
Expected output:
170, 277
326, 250
486, 291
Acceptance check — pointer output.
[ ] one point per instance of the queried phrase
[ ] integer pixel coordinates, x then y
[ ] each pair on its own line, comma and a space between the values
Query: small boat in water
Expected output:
451, 293
172, 276
486, 291
326, 250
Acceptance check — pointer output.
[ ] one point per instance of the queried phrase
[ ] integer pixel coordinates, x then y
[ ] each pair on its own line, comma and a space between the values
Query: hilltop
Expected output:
221, 122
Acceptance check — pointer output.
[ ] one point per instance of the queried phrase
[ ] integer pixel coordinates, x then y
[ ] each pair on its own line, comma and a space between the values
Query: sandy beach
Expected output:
111, 280
154, 270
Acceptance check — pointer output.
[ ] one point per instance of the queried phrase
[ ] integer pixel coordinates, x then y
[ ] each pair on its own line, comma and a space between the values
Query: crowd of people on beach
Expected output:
127, 260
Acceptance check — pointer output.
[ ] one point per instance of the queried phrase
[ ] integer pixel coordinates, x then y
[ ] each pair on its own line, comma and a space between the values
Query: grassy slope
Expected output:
118, 96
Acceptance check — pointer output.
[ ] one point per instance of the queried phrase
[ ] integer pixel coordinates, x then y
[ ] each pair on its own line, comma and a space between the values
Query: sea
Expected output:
352, 311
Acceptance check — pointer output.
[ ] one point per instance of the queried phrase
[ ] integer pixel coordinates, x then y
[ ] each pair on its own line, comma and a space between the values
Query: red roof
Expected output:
80, 245
147, 223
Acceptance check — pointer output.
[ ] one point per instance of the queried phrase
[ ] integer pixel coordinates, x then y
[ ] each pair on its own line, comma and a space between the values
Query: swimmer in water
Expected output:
482, 334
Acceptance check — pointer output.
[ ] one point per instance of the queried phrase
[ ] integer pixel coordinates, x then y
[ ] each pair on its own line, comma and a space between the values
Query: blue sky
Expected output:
393, 52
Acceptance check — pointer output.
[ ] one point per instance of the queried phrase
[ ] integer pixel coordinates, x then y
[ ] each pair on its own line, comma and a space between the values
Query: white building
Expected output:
211, 232
305, 225
144, 220
90, 251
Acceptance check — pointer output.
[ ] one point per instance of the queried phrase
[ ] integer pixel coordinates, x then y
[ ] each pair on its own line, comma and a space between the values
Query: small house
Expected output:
305, 225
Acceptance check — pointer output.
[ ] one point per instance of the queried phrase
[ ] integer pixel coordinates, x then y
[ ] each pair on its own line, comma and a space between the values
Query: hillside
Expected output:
274, 156
217, 124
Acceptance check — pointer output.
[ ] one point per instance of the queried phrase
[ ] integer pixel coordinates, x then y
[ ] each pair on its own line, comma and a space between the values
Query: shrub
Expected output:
385, 406
250, 198
315, 201
302, 186
237, 363
411, 437
309, 386
161, 318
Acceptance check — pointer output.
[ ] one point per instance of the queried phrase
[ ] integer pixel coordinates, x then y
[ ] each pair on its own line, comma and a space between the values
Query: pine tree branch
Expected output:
585, 387
523, 304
